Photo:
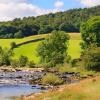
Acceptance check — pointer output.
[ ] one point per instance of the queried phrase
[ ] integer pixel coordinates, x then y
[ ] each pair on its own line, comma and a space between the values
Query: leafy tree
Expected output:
67, 27
53, 49
19, 34
91, 32
45, 29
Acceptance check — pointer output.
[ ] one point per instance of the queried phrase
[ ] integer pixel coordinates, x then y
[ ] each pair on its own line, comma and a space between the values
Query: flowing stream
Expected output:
14, 84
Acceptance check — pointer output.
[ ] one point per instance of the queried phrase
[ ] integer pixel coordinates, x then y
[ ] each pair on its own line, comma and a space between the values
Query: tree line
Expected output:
68, 21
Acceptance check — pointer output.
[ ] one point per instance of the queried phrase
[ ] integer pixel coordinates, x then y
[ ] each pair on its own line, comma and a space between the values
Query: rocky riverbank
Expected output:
33, 75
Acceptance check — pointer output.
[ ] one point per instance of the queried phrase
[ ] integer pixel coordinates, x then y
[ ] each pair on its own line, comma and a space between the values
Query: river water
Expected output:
8, 91
16, 84
10, 86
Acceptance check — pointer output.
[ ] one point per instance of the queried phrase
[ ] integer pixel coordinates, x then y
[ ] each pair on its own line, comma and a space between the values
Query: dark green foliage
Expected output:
53, 49
91, 58
45, 29
19, 34
23, 60
13, 45
91, 32
68, 59
67, 27
68, 21
5, 56
31, 64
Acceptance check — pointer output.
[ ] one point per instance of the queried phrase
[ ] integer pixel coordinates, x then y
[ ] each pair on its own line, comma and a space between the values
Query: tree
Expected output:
90, 32
67, 27
45, 29
53, 49
19, 34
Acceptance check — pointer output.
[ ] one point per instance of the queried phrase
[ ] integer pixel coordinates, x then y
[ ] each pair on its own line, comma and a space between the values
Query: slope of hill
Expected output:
29, 49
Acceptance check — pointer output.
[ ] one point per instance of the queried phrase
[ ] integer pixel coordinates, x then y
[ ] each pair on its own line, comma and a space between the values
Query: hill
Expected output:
29, 49
68, 21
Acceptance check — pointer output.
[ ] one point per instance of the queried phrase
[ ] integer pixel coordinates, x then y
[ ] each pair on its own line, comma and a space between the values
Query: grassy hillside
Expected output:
6, 42
29, 49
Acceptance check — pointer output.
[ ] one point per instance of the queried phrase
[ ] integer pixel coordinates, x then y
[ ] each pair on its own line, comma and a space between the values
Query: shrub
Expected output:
14, 63
74, 62
68, 59
51, 79
31, 64
23, 60
13, 45
5, 56
91, 58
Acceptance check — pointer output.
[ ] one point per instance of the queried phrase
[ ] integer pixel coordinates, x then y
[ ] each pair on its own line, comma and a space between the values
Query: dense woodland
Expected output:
68, 21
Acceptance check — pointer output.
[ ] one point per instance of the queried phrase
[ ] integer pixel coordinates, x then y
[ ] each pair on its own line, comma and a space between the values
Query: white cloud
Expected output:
59, 4
10, 9
90, 3
13, 1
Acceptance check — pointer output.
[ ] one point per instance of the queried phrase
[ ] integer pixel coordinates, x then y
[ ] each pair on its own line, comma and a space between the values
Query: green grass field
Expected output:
29, 49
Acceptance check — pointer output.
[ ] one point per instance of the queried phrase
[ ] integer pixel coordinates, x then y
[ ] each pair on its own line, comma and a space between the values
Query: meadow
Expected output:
29, 49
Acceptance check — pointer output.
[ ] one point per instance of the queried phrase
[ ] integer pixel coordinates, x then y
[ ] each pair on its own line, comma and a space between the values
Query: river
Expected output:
14, 84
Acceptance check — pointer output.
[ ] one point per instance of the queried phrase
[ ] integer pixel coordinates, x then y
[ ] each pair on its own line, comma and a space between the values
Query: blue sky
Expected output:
10, 9
47, 4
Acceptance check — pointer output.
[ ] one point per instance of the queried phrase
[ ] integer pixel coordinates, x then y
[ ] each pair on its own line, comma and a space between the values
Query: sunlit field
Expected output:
29, 49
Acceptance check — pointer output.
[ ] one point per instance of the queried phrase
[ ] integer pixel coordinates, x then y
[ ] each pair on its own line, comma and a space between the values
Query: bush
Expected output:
13, 45
51, 79
15, 63
31, 64
5, 56
91, 59
68, 59
23, 60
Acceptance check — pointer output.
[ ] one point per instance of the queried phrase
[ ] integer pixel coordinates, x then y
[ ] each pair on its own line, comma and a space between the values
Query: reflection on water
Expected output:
7, 91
